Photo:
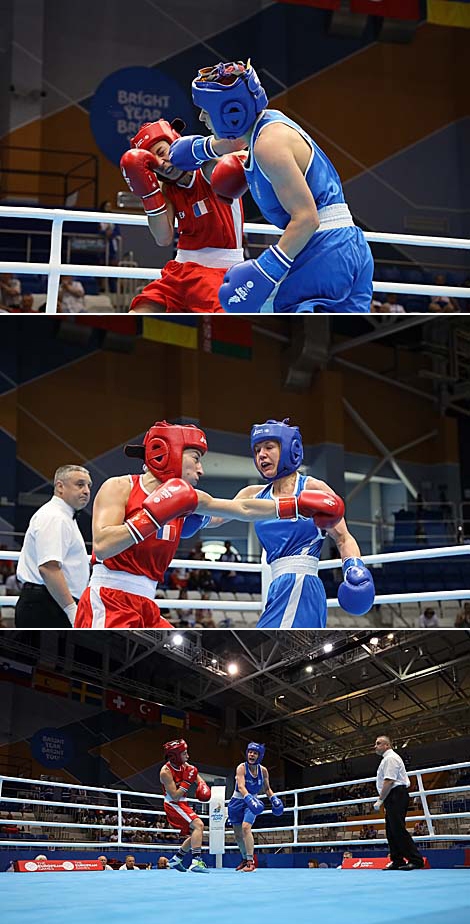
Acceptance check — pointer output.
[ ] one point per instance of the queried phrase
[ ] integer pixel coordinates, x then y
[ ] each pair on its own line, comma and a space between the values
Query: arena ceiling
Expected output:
313, 706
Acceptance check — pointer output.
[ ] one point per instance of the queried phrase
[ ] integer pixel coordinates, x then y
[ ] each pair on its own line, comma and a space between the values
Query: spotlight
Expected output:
309, 669
281, 696
328, 647
214, 662
177, 639
232, 669
374, 641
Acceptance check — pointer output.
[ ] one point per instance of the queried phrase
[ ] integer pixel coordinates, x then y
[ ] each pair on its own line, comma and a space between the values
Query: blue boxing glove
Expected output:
255, 805
246, 286
193, 524
190, 152
277, 805
356, 593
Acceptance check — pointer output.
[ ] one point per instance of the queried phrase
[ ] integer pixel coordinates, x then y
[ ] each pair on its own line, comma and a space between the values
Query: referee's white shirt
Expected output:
53, 535
391, 767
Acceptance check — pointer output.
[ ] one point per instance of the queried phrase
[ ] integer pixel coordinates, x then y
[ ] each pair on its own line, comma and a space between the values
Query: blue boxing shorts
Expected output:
295, 601
333, 273
239, 812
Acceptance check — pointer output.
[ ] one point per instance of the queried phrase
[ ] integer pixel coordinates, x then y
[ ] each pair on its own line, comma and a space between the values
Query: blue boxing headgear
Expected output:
292, 450
260, 748
232, 95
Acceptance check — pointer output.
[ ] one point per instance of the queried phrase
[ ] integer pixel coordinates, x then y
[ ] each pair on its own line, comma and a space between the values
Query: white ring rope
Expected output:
265, 571
55, 267
114, 806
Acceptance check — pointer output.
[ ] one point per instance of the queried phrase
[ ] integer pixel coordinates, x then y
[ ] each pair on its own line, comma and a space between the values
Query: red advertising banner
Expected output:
56, 866
370, 863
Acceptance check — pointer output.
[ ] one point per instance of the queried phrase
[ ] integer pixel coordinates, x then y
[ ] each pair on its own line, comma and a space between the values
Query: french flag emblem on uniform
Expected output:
203, 207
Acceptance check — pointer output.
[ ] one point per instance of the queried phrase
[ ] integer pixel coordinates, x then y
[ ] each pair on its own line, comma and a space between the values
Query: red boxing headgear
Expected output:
173, 751
163, 447
151, 132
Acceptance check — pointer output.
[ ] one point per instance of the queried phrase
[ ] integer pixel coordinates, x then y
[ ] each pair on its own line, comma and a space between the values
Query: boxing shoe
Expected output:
249, 867
198, 866
392, 865
409, 866
241, 865
176, 863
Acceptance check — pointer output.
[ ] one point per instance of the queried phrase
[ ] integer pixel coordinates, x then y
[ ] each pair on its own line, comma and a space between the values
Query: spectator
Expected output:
129, 864
179, 578
376, 306
163, 863
53, 565
111, 234
420, 829
347, 855
205, 617
104, 862
428, 619
187, 618
196, 552
462, 619
10, 292
442, 304
391, 305
71, 299
12, 586
227, 578
312, 864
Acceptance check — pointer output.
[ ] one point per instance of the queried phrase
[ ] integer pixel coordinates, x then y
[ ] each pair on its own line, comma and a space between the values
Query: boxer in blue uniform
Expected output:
322, 262
251, 780
292, 534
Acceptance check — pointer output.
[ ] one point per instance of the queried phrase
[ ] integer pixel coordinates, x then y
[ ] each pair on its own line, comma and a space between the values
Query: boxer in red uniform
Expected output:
137, 524
176, 777
209, 227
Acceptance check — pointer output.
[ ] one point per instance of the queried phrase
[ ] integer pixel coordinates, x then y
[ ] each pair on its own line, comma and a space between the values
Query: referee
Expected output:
392, 786
53, 565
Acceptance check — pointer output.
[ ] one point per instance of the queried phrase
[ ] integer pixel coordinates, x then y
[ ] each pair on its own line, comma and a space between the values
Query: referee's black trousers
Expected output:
399, 840
37, 609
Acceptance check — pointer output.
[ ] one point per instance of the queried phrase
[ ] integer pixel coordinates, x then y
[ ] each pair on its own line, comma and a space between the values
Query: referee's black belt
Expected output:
41, 588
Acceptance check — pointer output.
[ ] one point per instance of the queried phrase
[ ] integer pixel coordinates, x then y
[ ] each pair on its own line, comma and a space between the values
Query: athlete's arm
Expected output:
176, 792
345, 543
110, 535
240, 779
267, 789
283, 155
162, 227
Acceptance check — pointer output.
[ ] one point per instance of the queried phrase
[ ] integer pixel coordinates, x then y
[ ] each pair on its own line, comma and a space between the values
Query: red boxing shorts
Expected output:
107, 608
180, 815
184, 287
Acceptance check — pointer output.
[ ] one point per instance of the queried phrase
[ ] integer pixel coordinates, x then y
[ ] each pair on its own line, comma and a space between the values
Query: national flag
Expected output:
86, 693
449, 13
227, 337
203, 207
182, 332
195, 722
119, 702
14, 672
51, 683
149, 712
125, 324
172, 717
388, 9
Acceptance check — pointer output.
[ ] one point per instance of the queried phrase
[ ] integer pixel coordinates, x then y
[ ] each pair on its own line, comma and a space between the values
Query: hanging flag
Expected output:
14, 672
172, 717
388, 9
227, 339
51, 683
86, 693
196, 722
119, 702
182, 332
449, 13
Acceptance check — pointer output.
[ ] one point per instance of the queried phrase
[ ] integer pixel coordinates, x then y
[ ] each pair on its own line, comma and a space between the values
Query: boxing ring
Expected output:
241, 605
55, 267
276, 890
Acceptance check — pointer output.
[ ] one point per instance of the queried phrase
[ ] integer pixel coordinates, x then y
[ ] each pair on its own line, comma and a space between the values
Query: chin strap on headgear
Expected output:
232, 95
163, 447
254, 746
290, 440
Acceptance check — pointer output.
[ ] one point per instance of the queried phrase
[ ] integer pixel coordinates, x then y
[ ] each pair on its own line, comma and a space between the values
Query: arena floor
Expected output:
226, 897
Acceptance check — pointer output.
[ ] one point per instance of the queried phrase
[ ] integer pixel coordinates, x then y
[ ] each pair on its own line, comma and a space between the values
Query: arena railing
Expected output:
54, 268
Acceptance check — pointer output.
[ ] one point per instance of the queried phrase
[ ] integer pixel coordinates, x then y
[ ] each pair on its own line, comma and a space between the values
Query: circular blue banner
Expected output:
129, 97
51, 747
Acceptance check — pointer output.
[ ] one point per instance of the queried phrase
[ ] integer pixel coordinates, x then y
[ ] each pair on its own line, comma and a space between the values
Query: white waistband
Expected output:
294, 564
215, 257
122, 580
334, 216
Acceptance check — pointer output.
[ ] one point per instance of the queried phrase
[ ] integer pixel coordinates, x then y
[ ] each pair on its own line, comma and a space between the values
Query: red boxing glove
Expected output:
203, 792
228, 177
138, 169
326, 509
189, 776
173, 499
